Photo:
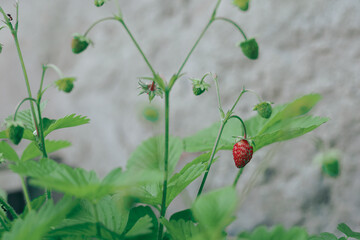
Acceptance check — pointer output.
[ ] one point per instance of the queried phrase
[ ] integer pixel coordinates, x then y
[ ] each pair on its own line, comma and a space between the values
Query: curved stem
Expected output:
211, 158
242, 122
8, 208
19, 105
218, 94
166, 159
26, 193
255, 93
138, 47
238, 176
97, 22
233, 23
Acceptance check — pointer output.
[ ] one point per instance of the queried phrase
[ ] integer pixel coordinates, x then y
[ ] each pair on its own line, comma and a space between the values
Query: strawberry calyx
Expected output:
151, 89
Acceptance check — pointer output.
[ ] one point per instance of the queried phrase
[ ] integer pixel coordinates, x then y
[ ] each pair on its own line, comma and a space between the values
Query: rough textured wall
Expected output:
305, 46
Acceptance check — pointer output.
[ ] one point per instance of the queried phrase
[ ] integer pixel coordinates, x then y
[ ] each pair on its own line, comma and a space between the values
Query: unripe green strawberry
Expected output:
65, 84
79, 43
1, 47
99, 3
242, 4
264, 109
199, 87
242, 152
15, 132
250, 48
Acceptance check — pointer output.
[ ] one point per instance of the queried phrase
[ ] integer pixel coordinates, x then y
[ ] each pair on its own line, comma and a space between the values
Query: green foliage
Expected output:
181, 229
342, 227
278, 233
32, 150
72, 120
329, 161
79, 182
287, 122
37, 223
8, 152
214, 211
143, 222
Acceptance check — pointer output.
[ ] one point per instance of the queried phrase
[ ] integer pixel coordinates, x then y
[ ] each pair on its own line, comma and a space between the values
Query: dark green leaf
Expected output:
184, 214
181, 229
135, 215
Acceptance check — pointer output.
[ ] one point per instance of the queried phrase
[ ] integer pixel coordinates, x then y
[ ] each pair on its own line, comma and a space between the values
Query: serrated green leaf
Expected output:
36, 204
278, 233
214, 210
342, 227
72, 120
184, 214
32, 151
181, 229
285, 123
8, 152
79, 182
37, 223
135, 215
141, 227
150, 154
187, 175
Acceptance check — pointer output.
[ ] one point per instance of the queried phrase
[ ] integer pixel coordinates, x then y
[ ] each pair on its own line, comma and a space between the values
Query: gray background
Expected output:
305, 46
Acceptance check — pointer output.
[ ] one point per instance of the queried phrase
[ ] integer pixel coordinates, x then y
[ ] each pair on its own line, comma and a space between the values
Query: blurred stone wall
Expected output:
305, 46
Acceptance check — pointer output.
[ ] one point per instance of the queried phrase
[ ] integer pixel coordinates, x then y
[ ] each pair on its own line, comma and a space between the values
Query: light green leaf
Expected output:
66, 122
181, 229
138, 213
150, 154
79, 182
8, 152
278, 233
37, 223
214, 210
187, 175
32, 151
342, 227
285, 123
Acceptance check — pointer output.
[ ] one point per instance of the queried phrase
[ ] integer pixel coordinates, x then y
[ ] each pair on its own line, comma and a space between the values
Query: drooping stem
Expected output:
19, 105
166, 160
211, 158
97, 22
8, 208
233, 23
26, 193
238, 176
242, 122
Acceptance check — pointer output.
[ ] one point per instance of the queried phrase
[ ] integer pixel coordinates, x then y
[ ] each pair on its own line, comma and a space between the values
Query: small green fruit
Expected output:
264, 109
15, 132
79, 43
242, 4
99, 3
250, 48
65, 84
1, 47
199, 87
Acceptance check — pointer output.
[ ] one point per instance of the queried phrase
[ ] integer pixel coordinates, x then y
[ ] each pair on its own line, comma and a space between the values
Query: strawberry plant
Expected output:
131, 203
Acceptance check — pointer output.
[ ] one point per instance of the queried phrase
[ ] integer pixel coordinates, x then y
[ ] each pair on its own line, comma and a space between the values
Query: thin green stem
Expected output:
218, 93
233, 23
255, 93
4, 224
26, 193
211, 157
238, 176
19, 105
138, 47
8, 208
194, 46
166, 159
42, 138
44, 68
242, 122
237, 100
97, 22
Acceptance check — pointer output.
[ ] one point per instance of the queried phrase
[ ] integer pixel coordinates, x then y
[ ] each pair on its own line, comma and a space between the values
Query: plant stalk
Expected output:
26, 193
166, 160
233, 23
238, 176
8, 208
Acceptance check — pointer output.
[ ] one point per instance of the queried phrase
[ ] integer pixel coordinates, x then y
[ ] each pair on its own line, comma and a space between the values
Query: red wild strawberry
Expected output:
242, 152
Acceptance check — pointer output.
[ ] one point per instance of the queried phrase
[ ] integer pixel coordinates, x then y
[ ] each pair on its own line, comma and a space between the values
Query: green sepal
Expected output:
242, 4
15, 131
99, 3
250, 48
65, 84
264, 109
79, 43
